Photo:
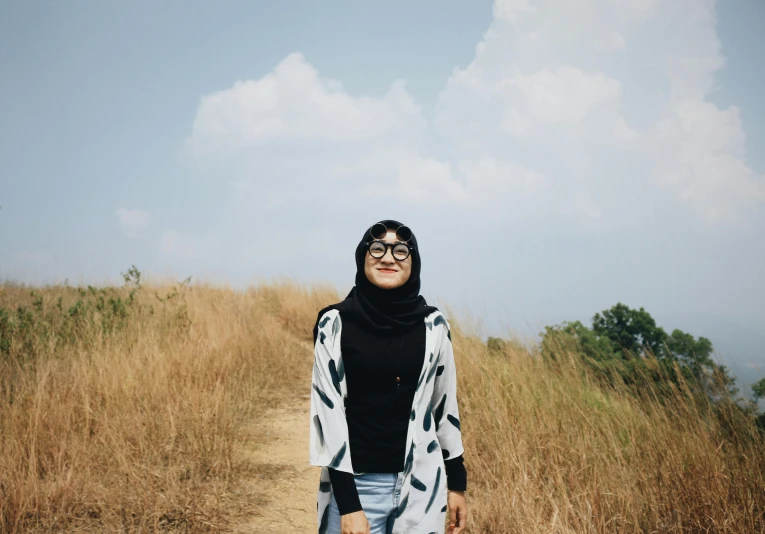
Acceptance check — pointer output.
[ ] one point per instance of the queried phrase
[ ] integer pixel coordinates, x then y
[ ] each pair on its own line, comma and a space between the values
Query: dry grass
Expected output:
549, 451
133, 429
127, 422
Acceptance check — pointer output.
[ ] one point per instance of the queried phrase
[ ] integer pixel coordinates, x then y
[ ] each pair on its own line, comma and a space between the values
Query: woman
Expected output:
384, 418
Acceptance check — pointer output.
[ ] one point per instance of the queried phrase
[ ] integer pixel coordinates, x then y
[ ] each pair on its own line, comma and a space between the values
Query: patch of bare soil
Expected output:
283, 484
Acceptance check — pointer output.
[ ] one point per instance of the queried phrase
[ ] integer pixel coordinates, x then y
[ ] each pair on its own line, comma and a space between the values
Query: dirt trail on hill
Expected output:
285, 484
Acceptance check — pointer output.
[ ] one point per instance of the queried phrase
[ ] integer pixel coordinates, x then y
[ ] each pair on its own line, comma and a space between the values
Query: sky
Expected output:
553, 157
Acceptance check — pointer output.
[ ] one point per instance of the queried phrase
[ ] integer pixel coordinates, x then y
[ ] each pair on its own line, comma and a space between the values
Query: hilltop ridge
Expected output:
128, 408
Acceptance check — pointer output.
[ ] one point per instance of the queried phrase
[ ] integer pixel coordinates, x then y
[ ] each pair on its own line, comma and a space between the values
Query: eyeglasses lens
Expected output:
378, 231
400, 252
404, 233
377, 250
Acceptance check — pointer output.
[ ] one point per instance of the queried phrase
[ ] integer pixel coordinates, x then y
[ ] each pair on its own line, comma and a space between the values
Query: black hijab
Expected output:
375, 308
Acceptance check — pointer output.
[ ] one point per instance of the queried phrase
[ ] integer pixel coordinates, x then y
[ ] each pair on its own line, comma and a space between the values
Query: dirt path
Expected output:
285, 483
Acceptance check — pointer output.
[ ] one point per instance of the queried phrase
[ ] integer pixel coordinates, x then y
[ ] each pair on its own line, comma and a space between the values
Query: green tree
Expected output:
597, 347
695, 353
621, 337
631, 330
758, 388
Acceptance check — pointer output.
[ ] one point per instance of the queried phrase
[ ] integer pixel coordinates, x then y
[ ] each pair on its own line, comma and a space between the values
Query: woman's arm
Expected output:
329, 428
346, 493
448, 429
456, 474
445, 408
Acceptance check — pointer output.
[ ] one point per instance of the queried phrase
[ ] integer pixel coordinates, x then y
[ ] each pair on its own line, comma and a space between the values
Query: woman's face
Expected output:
387, 272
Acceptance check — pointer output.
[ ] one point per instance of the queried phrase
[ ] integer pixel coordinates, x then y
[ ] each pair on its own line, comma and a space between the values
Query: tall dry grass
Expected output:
551, 451
127, 421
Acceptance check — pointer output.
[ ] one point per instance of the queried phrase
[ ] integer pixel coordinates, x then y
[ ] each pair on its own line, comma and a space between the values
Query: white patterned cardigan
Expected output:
432, 437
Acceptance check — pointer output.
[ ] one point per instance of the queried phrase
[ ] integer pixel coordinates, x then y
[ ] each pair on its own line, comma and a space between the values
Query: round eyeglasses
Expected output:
401, 251
379, 231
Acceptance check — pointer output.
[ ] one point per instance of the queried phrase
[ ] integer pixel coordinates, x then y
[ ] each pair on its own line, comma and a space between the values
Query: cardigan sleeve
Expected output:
456, 475
345, 491
329, 444
444, 401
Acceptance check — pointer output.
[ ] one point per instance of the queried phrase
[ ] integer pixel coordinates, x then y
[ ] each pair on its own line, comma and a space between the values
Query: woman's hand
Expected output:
354, 523
457, 512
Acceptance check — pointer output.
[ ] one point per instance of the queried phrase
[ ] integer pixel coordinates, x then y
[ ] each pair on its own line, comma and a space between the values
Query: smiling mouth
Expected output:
387, 270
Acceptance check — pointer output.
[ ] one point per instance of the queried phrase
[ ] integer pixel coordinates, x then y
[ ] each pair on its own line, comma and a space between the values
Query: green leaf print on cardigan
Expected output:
419, 511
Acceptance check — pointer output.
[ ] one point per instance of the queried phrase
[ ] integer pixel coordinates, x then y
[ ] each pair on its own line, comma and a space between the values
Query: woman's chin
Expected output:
387, 284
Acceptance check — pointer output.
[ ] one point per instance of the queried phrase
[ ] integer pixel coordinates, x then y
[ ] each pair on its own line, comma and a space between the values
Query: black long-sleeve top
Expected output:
382, 370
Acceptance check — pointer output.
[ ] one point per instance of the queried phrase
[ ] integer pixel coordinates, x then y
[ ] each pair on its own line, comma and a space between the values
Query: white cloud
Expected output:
503, 183
698, 148
582, 203
428, 181
511, 10
561, 97
699, 155
550, 82
623, 132
294, 103
132, 221
565, 94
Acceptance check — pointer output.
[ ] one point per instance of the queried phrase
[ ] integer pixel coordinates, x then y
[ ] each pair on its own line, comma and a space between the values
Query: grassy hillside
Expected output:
120, 409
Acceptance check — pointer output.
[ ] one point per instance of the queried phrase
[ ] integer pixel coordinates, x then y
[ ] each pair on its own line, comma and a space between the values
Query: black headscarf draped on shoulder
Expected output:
387, 310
